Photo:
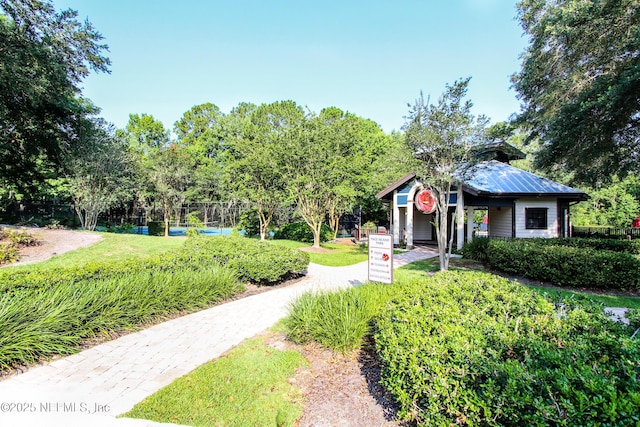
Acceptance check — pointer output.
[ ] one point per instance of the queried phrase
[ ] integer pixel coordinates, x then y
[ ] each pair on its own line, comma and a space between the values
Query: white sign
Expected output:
381, 258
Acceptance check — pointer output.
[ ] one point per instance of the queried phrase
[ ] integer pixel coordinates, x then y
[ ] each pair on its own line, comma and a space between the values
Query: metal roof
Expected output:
495, 178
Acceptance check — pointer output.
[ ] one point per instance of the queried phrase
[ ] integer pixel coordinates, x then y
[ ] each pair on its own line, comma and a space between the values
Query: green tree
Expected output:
200, 132
99, 172
170, 174
144, 137
615, 205
44, 56
579, 85
258, 172
441, 137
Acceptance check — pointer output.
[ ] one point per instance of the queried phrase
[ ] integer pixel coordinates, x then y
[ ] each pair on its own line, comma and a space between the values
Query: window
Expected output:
535, 218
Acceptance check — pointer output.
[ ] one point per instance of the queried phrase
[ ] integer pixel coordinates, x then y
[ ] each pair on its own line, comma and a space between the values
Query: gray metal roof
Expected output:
495, 178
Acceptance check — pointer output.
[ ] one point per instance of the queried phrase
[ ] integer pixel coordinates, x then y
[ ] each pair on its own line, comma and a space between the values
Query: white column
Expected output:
460, 218
470, 211
410, 222
395, 219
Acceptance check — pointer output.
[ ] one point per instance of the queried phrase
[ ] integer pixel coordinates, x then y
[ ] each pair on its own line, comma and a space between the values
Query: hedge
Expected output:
254, 261
565, 266
301, 232
473, 349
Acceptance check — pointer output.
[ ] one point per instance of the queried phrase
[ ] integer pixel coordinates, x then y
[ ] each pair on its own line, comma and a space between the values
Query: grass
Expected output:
247, 387
38, 323
340, 255
113, 247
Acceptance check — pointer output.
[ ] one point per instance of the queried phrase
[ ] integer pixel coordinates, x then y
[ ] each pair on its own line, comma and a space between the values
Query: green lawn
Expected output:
113, 247
339, 256
247, 387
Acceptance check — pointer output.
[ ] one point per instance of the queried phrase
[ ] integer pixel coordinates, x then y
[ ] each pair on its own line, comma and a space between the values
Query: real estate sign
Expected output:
381, 258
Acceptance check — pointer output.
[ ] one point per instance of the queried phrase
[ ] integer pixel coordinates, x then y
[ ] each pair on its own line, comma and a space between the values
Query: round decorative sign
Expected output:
425, 201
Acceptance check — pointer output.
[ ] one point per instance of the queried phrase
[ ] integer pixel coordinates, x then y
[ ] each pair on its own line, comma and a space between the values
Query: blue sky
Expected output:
367, 57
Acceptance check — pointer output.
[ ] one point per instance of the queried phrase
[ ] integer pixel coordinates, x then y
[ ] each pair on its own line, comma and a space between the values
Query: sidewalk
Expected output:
98, 384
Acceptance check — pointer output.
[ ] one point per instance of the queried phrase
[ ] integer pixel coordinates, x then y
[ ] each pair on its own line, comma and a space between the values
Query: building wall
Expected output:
422, 229
500, 220
552, 217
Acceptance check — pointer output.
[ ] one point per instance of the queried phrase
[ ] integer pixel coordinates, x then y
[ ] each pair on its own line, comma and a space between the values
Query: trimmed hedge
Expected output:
615, 245
155, 228
473, 349
254, 261
301, 232
565, 266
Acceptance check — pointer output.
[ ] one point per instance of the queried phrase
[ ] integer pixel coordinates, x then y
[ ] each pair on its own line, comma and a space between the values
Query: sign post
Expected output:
381, 258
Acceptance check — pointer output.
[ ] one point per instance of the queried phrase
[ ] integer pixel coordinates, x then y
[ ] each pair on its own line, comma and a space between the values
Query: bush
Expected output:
476, 249
156, 228
8, 253
255, 261
469, 348
615, 245
301, 232
250, 223
338, 320
565, 266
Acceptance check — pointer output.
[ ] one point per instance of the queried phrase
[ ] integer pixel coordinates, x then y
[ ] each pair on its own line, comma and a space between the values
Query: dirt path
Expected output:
53, 242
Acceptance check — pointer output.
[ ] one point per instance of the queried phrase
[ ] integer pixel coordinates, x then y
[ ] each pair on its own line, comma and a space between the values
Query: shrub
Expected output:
565, 266
156, 228
338, 320
254, 261
476, 249
469, 348
301, 232
615, 245
8, 253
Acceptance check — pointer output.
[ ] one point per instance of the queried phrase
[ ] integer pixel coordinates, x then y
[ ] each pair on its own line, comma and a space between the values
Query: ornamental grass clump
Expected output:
338, 320
55, 320
473, 349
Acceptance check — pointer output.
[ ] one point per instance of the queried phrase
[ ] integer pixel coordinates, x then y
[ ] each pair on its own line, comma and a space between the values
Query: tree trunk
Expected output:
316, 234
167, 218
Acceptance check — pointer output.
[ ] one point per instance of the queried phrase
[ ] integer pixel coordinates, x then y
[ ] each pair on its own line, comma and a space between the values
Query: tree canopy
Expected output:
579, 85
441, 137
44, 56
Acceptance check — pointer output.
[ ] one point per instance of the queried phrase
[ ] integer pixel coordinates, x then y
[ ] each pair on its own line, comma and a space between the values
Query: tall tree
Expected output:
200, 132
579, 85
170, 174
441, 137
145, 137
44, 56
99, 172
257, 171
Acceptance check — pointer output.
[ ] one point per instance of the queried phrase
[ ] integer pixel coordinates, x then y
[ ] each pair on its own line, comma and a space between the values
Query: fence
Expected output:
210, 214
606, 232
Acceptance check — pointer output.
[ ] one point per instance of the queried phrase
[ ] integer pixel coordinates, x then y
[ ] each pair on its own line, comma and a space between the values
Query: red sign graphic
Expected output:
425, 201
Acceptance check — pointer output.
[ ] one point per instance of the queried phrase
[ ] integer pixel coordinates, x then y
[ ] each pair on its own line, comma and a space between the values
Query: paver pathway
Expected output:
92, 387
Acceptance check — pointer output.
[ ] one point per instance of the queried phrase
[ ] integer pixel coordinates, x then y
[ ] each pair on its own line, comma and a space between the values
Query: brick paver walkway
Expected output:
92, 387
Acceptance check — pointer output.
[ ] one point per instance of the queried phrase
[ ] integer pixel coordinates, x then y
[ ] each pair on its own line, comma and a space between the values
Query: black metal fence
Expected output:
606, 232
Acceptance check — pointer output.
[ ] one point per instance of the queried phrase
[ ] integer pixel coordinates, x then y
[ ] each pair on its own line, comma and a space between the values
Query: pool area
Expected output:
182, 231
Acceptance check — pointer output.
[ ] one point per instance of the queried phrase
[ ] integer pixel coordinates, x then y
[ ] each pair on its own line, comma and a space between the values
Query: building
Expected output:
517, 203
